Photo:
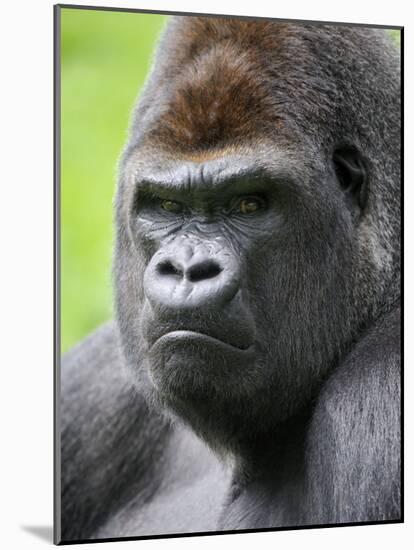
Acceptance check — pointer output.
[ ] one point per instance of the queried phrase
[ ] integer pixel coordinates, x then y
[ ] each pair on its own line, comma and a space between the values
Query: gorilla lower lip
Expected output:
199, 337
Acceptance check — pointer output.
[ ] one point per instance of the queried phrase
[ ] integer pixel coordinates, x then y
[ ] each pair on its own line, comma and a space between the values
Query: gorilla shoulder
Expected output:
117, 451
359, 413
104, 430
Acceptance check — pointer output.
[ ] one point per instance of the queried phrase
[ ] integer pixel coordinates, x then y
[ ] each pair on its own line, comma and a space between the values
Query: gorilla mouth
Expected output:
178, 336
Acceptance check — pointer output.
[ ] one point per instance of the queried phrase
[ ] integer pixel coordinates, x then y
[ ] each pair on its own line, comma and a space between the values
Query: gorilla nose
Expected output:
206, 269
187, 278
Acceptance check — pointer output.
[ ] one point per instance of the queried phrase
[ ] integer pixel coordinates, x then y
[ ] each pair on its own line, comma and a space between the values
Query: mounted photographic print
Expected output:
228, 230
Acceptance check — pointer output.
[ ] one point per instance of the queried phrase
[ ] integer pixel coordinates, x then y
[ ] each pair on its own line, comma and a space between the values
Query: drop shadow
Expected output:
44, 532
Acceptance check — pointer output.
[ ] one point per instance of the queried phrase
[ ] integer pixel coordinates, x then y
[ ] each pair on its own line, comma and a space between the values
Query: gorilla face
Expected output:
249, 252
234, 268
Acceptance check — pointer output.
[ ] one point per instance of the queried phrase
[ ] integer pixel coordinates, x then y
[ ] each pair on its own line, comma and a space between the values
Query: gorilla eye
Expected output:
172, 206
250, 205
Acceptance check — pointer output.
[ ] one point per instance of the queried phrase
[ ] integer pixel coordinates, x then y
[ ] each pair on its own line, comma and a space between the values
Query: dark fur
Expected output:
308, 432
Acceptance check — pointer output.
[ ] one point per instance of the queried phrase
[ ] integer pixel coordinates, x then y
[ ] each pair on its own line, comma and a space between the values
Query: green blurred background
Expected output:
105, 57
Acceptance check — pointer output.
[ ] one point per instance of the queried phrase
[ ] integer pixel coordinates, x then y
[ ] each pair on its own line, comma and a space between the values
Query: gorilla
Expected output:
251, 378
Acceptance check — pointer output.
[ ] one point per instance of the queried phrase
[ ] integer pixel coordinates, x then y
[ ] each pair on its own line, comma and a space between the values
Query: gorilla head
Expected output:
257, 217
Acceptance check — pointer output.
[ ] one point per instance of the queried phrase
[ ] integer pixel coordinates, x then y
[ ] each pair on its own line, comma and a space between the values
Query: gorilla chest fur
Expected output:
187, 496
194, 493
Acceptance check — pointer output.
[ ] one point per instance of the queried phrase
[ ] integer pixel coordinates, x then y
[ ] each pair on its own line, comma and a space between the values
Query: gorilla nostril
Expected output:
204, 270
167, 268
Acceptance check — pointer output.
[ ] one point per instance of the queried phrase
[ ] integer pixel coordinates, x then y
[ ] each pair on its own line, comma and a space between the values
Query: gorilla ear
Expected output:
351, 174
